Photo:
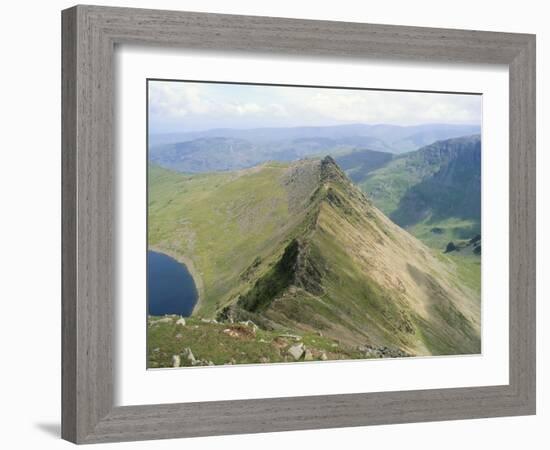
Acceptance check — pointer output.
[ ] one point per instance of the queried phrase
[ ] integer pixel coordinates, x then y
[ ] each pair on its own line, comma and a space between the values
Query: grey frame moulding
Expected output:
89, 37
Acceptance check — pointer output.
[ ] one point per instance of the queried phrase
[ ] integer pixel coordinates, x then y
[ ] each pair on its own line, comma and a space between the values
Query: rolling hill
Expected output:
297, 247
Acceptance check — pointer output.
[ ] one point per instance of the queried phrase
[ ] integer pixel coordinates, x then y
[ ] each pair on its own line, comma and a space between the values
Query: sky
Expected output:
178, 106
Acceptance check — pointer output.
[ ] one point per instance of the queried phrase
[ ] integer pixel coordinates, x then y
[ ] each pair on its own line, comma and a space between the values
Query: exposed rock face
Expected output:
295, 268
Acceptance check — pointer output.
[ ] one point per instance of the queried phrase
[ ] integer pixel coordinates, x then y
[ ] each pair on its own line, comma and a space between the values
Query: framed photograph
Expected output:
277, 224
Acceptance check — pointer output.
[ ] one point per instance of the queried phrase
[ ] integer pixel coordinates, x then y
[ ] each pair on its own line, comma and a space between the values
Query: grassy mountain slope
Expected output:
359, 164
222, 224
298, 247
437, 187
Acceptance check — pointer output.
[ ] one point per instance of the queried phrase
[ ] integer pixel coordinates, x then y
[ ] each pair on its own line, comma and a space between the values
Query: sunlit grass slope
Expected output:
298, 247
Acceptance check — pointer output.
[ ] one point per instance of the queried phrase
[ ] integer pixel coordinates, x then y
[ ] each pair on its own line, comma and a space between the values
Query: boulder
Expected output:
188, 354
159, 321
308, 356
296, 351
181, 321
323, 357
451, 247
176, 361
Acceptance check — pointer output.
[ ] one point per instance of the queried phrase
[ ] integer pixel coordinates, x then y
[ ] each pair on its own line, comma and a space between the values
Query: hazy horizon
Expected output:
311, 126
181, 107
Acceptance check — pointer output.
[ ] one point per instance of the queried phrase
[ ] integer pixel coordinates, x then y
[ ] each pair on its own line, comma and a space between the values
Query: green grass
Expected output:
437, 183
298, 248
212, 342
438, 233
388, 185
222, 222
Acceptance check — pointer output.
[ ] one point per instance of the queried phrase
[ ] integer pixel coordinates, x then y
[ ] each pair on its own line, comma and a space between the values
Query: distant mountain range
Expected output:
298, 247
232, 149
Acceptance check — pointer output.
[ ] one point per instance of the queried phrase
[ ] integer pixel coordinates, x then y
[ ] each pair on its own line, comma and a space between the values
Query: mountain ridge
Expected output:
331, 262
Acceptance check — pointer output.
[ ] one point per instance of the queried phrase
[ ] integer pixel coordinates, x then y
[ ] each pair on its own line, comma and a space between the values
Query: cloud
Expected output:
173, 99
403, 108
181, 106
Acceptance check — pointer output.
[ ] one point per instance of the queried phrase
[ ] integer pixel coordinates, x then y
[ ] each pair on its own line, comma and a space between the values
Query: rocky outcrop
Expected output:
382, 352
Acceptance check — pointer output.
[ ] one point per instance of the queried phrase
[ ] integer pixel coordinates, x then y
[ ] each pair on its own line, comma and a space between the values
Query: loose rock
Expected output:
209, 321
176, 360
250, 324
296, 351
188, 354
181, 321
159, 321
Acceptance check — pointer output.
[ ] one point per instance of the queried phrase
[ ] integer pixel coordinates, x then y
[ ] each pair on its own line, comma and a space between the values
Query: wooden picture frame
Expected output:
90, 34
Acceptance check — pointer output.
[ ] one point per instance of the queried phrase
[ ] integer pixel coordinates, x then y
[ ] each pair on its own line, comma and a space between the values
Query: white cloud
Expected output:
171, 99
204, 105
404, 108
